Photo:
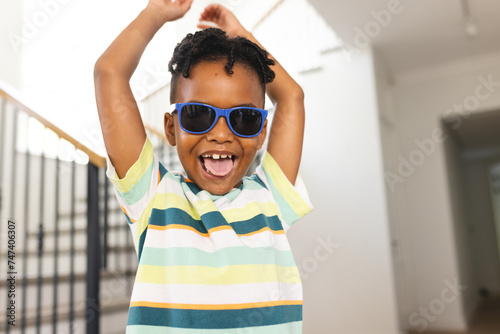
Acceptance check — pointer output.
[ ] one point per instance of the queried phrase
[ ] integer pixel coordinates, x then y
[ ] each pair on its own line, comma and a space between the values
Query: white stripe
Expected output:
247, 196
244, 198
217, 240
216, 294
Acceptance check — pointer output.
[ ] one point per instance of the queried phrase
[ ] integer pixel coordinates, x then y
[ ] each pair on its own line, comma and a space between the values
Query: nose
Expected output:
220, 132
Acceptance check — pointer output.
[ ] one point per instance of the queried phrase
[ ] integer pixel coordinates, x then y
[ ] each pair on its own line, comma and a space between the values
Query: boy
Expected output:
212, 249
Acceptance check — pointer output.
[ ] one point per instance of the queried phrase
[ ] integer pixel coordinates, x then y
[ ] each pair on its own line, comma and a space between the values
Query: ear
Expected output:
262, 135
169, 128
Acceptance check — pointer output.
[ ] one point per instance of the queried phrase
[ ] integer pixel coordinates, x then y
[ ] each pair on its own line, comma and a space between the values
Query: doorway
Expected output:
472, 153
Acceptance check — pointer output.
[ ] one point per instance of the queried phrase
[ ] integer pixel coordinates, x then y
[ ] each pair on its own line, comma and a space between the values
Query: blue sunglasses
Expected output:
198, 118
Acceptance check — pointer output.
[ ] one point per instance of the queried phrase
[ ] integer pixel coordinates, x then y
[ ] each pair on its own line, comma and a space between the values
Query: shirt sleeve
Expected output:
292, 200
135, 192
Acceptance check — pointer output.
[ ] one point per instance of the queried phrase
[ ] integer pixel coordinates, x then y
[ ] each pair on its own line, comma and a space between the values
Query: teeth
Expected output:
217, 156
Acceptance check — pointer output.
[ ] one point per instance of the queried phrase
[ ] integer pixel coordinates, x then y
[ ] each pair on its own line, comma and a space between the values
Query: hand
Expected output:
170, 10
223, 18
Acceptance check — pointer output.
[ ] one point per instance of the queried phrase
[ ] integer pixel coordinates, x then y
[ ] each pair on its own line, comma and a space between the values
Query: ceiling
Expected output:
420, 33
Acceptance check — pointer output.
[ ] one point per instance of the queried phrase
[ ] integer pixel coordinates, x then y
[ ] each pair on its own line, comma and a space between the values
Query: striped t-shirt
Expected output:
212, 264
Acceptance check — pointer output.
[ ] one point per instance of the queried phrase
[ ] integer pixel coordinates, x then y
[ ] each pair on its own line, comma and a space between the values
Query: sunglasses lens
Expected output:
197, 118
246, 122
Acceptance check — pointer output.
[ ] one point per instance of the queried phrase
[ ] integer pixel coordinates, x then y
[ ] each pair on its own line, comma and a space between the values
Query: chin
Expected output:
219, 190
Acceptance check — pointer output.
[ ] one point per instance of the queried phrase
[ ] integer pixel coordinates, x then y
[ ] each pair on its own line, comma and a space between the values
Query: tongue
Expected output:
218, 167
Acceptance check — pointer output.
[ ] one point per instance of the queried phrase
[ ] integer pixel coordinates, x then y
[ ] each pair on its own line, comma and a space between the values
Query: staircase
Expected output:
67, 258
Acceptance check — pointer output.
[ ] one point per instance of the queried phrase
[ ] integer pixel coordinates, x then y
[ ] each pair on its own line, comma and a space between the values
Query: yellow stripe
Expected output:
206, 206
165, 201
284, 186
235, 274
142, 222
250, 210
215, 306
138, 169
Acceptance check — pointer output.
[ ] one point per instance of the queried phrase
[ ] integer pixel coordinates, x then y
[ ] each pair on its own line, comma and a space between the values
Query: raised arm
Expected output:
287, 131
121, 122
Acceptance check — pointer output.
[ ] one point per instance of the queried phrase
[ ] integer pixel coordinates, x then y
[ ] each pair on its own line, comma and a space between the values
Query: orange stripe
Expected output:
214, 229
159, 177
178, 227
125, 211
220, 228
215, 306
262, 230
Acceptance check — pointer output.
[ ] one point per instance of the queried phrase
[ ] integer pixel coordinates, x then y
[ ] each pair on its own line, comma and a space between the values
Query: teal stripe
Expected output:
140, 247
163, 171
289, 215
186, 256
213, 219
257, 184
289, 328
139, 189
214, 319
175, 176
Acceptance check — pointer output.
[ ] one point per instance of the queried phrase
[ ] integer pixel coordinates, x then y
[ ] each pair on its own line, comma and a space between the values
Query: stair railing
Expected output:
39, 188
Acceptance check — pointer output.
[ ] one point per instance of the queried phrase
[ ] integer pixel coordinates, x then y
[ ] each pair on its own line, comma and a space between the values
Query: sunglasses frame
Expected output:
218, 113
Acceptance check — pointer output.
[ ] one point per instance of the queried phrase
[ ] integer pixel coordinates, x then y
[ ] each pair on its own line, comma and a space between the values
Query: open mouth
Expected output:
218, 165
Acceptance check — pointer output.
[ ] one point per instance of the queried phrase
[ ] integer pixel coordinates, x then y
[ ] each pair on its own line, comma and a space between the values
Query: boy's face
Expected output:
209, 83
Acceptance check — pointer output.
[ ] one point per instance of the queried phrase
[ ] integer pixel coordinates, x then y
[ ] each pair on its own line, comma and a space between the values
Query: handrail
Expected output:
156, 133
95, 158
267, 14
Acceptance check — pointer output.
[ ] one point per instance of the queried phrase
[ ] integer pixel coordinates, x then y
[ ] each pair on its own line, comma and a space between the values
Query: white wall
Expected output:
400, 239
348, 285
420, 100
10, 31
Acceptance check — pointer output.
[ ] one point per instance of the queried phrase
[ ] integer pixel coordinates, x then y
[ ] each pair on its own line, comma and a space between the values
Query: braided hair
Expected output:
213, 44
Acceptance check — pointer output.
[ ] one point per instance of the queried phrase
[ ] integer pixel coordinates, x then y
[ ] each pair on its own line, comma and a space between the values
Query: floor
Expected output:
485, 321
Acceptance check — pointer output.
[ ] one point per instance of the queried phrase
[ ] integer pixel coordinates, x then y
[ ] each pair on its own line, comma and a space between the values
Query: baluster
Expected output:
3, 109
40, 239
12, 187
56, 245
106, 227
27, 160
72, 250
93, 250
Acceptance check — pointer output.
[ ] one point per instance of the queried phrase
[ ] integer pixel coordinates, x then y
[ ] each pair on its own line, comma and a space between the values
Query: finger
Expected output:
206, 26
212, 10
207, 14
209, 18
188, 4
